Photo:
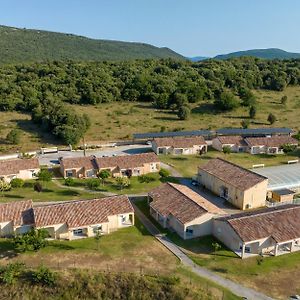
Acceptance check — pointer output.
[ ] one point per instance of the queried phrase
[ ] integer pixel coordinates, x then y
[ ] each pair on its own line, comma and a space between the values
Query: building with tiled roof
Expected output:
84, 218
236, 143
269, 145
270, 231
19, 168
178, 207
15, 217
179, 145
123, 165
239, 186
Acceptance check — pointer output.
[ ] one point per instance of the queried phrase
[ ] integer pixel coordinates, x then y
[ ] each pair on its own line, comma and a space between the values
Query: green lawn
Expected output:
50, 192
136, 187
187, 164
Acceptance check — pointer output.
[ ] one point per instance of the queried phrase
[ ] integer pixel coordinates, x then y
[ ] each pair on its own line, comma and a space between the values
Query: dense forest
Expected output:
43, 89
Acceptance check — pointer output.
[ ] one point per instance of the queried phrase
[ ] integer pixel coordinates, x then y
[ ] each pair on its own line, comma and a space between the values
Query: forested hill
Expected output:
26, 45
272, 53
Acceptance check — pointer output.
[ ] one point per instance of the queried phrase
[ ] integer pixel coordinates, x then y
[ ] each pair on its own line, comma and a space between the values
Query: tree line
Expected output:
46, 89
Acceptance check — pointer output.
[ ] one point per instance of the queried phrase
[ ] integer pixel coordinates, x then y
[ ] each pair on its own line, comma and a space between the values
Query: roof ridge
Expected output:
172, 184
267, 211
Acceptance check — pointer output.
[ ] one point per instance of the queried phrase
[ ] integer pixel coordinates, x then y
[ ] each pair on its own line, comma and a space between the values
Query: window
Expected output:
69, 173
123, 218
78, 231
189, 231
247, 248
90, 173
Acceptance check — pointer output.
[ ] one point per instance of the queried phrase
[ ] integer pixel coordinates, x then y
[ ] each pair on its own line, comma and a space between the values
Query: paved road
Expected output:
235, 288
52, 158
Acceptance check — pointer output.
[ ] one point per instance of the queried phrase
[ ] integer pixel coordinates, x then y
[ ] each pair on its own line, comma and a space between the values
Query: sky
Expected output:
189, 27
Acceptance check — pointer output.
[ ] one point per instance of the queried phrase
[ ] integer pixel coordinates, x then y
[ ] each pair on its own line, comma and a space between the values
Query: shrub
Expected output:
17, 183
44, 276
164, 173
123, 182
4, 186
252, 112
146, 178
11, 272
69, 181
93, 183
245, 123
284, 100
289, 148
13, 136
45, 175
226, 150
183, 113
271, 118
38, 187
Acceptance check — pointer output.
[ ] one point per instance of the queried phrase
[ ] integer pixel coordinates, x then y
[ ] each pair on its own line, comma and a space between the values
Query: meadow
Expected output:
119, 120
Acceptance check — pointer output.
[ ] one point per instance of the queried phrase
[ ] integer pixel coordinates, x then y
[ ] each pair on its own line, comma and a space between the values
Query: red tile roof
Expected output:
273, 141
83, 212
14, 166
232, 174
78, 162
281, 223
180, 142
232, 140
181, 202
18, 211
127, 161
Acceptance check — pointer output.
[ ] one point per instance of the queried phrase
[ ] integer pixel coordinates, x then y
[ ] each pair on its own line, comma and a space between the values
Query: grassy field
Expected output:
270, 276
50, 192
119, 120
187, 165
128, 250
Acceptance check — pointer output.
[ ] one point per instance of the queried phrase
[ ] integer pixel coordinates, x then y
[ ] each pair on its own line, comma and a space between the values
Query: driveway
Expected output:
235, 288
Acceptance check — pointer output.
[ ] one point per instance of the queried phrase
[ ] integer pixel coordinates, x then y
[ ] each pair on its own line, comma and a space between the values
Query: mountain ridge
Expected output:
19, 45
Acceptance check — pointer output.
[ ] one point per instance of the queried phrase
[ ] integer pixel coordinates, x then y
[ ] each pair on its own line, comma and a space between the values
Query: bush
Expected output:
44, 276
93, 183
164, 173
245, 123
288, 148
69, 181
226, 150
13, 137
183, 113
17, 183
284, 100
45, 175
252, 112
38, 187
271, 118
146, 178
11, 272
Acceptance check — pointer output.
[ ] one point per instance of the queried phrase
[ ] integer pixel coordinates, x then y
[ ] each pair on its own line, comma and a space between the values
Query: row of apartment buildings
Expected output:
198, 145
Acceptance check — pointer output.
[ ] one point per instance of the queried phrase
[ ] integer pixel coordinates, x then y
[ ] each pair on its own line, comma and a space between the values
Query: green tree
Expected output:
103, 174
123, 182
4, 187
93, 183
271, 118
226, 101
13, 137
69, 181
216, 247
44, 175
183, 113
164, 173
252, 112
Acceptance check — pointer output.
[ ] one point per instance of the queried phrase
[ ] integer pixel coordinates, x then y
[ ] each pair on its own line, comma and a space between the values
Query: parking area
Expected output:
284, 176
